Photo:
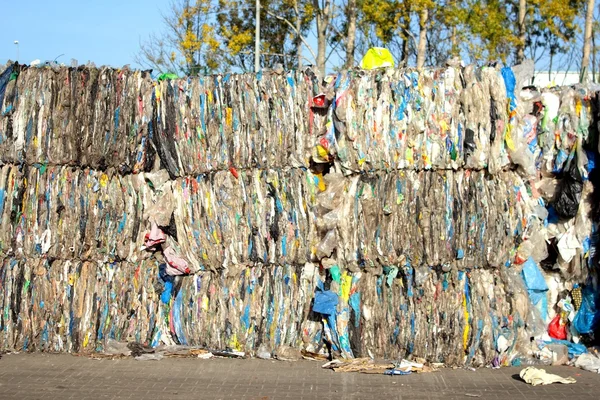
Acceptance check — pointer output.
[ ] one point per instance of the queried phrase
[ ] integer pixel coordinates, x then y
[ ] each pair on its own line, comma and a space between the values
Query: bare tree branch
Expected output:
299, 34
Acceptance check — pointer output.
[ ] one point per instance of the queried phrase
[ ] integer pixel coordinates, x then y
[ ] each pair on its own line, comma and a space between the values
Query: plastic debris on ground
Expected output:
589, 362
536, 376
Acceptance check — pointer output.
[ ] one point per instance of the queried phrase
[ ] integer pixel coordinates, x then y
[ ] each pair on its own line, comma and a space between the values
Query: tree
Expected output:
422, 7
552, 26
302, 18
385, 23
488, 29
214, 35
188, 45
405, 34
351, 12
280, 37
522, 32
587, 38
324, 10
532, 28
205, 36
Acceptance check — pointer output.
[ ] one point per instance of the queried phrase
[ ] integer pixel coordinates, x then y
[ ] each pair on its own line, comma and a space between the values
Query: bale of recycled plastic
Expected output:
386, 213
76, 116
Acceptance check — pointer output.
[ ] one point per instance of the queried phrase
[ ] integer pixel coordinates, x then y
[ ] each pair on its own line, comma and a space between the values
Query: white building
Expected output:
556, 78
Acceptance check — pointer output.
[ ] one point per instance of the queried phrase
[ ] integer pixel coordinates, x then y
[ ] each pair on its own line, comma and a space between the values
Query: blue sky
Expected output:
107, 32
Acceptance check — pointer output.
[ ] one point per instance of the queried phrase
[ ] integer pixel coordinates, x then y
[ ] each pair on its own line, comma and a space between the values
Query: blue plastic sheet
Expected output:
575, 349
4, 79
588, 314
510, 82
536, 286
165, 296
326, 301
534, 280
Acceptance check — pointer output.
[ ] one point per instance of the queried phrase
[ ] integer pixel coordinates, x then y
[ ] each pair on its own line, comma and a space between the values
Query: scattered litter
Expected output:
364, 365
589, 362
263, 352
369, 366
535, 377
150, 357
288, 353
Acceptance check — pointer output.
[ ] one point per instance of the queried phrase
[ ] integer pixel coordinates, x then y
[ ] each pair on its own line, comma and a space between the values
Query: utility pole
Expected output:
257, 39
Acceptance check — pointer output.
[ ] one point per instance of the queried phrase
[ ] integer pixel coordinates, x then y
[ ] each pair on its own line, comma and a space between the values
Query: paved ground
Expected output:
43, 376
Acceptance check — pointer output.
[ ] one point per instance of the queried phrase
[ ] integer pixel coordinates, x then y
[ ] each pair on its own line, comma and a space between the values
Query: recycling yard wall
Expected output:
374, 213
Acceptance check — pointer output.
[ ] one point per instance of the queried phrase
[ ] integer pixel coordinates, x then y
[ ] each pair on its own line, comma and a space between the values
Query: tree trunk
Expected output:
587, 38
404, 31
453, 42
323, 18
520, 56
298, 39
593, 56
405, 39
197, 37
351, 38
257, 39
423, 17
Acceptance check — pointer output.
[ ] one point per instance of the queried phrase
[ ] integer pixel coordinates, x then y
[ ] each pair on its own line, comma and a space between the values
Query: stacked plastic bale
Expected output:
417, 232
70, 139
480, 225
404, 119
232, 121
83, 117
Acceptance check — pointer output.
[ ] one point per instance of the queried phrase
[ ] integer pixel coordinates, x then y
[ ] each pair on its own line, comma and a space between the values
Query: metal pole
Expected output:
257, 39
17, 44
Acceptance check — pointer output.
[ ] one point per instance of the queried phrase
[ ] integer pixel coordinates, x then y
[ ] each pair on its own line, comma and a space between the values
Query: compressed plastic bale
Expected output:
64, 99
525, 150
249, 231
243, 107
10, 194
498, 119
471, 101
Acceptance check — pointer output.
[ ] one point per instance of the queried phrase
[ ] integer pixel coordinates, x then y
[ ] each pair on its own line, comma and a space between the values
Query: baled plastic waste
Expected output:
445, 214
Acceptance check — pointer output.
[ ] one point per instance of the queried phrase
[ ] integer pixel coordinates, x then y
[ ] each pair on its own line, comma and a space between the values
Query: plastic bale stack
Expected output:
233, 121
82, 117
384, 214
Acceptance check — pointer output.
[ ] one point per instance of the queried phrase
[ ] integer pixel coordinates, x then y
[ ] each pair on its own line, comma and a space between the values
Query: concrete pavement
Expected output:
64, 376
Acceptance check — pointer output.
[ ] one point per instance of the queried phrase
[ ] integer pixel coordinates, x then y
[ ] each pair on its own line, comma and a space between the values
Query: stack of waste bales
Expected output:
446, 214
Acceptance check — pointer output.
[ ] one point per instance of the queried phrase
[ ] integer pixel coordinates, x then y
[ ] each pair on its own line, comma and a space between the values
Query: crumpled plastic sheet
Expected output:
433, 197
589, 362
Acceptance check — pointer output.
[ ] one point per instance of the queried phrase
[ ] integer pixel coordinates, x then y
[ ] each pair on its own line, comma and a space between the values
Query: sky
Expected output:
107, 32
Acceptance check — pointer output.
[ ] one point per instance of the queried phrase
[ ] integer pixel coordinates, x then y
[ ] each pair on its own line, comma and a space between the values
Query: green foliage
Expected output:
491, 27
236, 27
217, 35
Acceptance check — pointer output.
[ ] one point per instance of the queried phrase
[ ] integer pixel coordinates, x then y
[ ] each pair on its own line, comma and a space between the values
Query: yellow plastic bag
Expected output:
377, 57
